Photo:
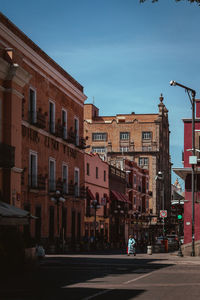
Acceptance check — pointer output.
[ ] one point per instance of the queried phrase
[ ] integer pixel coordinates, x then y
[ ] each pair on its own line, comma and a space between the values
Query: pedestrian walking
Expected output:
131, 245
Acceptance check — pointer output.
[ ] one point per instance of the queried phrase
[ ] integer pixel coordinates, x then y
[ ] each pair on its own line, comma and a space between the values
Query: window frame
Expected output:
65, 185
64, 126
52, 182
146, 135
33, 113
123, 135
77, 187
52, 115
33, 178
99, 136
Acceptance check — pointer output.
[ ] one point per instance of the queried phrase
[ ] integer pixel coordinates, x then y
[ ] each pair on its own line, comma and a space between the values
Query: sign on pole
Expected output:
163, 213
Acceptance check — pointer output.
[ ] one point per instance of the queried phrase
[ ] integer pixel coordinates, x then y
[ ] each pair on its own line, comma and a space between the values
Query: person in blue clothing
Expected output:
131, 245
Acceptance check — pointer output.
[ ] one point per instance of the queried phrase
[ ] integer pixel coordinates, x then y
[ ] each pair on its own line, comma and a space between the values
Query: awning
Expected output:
12, 215
183, 172
120, 196
90, 194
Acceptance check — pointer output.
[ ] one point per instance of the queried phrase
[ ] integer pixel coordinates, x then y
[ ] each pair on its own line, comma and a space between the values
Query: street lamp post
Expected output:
57, 199
192, 100
96, 206
118, 211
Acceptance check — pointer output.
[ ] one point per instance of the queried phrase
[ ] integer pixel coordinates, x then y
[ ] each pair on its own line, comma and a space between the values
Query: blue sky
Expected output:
124, 53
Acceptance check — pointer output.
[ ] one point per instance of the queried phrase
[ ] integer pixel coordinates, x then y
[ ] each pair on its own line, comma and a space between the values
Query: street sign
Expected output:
163, 213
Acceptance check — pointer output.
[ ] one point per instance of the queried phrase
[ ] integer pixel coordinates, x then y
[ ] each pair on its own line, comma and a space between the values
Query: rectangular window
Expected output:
146, 135
97, 172
98, 149
124, 149
33, 169
76, 130
76, 182
143, 161
32, 106
51, 117
99, 136
52, 172
88, 169
65, 178
124, 135
64, 123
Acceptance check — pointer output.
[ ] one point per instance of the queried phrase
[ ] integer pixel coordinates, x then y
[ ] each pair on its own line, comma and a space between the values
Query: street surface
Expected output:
107, 276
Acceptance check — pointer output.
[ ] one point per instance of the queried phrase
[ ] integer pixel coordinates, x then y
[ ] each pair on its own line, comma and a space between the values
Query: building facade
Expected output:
142, 138
186, 174
97, 201
41, 136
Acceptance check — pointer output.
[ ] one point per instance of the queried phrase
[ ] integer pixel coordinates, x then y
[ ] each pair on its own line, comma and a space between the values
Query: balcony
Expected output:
7, 156
37, 182
37, 118
41, 119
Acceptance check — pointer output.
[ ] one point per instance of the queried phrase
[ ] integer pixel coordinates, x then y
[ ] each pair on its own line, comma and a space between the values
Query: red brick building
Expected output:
41, 136
142, 138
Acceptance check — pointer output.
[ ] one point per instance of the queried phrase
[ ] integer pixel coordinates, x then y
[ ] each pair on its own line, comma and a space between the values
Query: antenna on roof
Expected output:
93, 100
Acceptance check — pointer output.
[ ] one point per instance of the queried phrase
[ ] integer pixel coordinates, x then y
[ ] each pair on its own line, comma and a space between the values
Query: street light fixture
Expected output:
96, 206
57, 199
192, 100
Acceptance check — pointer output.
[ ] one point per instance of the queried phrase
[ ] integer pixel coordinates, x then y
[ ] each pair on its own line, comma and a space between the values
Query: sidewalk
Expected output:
172, 258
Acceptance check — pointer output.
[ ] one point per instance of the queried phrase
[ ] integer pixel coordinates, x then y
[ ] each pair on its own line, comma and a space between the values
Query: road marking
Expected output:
138, 278
97, 294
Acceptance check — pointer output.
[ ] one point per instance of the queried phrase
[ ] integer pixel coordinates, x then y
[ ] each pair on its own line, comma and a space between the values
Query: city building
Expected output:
41, 140
96, 219
186, 174
142, 138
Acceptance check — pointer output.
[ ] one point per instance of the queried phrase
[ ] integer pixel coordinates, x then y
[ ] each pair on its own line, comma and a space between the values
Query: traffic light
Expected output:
179, 212
179, 217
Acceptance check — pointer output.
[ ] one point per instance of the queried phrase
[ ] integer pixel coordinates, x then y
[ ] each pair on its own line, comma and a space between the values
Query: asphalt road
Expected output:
108, 276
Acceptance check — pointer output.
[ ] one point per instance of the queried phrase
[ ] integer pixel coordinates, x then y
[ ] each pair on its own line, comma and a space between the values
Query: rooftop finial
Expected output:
161, 98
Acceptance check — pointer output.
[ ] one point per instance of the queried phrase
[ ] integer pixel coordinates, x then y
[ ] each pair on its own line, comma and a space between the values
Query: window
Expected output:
88, 169
124, 149
64, 123
76, 182
134, 179
52, 169
97, 172
32, 106
104, 175
33, 169
146, 135
65, 178
134, 200
124, 135
143, 161
146, 148
102, 136
76, 130
52, 117
98, 149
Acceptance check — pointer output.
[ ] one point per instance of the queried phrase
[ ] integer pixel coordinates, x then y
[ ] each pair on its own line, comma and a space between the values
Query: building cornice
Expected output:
39, 61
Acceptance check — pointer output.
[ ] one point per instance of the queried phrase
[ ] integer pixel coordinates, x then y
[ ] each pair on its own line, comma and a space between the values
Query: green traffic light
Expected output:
179, 217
